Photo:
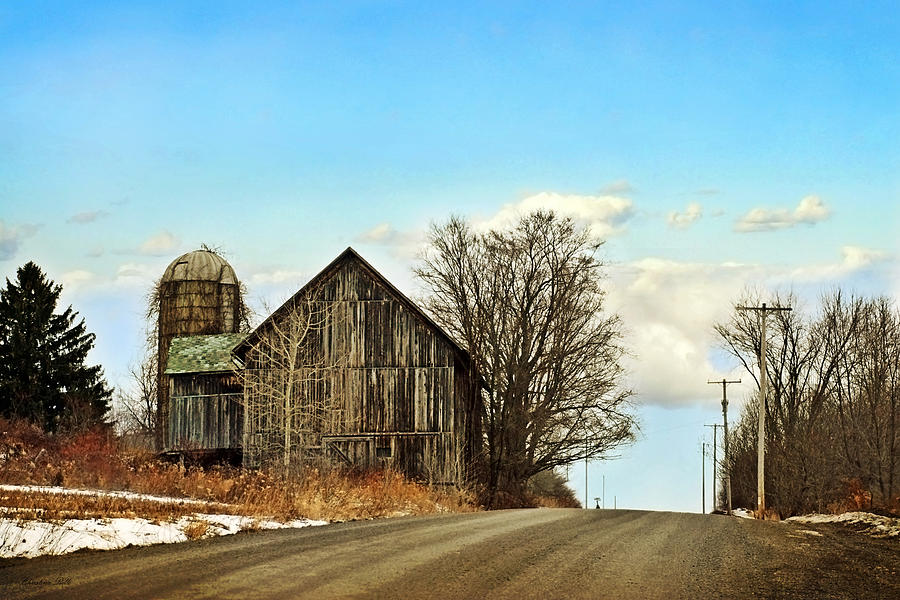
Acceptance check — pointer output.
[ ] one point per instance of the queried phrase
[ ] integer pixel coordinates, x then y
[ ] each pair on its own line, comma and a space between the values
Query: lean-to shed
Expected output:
205, 414
351, 371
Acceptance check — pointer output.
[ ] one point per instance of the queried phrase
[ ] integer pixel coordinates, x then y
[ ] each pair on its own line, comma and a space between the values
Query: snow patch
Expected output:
44, 489
875, 525
33, 537
30, 538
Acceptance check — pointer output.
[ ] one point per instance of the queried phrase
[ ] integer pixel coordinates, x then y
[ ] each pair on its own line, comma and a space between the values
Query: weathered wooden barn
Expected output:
351, 371
205, 416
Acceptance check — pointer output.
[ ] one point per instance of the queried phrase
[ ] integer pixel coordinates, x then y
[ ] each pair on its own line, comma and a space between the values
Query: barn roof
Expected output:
323, 275
202, 353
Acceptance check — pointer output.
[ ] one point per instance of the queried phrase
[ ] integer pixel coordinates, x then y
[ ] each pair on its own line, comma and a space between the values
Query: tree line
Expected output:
833, 405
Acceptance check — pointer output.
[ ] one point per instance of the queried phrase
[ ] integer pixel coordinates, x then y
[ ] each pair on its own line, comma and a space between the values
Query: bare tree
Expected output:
137, 405
866, 393
832, 414
528, 305
296, 353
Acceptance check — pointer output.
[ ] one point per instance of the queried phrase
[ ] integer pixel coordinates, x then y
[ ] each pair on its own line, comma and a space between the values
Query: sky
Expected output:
753, 145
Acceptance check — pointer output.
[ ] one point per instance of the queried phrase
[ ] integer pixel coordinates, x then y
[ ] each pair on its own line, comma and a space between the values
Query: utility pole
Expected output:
585, 475
603, 492
763, 312
715, 427
703, 481
725, 383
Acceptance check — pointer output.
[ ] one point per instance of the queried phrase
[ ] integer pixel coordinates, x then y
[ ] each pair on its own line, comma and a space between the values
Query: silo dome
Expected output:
200, 265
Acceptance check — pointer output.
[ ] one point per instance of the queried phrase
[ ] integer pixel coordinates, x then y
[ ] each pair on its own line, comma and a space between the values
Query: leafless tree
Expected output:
528, 304
832, 408
137, 404
285, 375
866, 393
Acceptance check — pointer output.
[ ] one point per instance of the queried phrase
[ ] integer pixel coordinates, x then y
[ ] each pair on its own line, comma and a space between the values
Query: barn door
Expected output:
350, 451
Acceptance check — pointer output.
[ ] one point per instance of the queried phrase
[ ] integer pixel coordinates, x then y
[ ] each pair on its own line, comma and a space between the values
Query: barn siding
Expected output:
397, 384
205, 412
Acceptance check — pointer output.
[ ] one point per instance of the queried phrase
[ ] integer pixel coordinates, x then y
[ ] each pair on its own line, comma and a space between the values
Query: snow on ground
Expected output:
743, 513
875, 525
30, 537
43, 489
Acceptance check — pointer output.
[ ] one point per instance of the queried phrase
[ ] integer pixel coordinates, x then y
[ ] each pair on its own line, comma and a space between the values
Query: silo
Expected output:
198, 294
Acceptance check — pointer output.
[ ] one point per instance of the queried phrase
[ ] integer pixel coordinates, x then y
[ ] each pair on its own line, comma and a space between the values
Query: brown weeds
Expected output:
95, 460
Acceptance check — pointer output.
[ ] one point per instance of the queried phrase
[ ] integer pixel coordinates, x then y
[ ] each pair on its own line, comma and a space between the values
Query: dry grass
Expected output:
94, 460
196, 530
53, 506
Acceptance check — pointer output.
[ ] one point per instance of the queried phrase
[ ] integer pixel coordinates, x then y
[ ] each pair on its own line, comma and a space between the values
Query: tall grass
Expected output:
95, 460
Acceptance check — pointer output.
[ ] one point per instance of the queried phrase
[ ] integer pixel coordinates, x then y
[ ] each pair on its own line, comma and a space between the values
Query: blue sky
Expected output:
714, 148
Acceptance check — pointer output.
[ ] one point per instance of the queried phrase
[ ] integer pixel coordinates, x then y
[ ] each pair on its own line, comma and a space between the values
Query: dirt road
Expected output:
507, 554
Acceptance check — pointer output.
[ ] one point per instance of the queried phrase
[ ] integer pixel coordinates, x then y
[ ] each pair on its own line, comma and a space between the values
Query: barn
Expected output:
350, 371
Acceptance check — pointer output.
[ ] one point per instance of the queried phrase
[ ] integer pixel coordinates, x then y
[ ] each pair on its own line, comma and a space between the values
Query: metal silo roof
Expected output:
200, 265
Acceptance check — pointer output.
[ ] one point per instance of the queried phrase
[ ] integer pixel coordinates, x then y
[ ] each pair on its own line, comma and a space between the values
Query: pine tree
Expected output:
43, 376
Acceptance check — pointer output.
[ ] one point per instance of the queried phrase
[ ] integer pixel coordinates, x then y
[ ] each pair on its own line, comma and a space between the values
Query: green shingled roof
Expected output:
202, 353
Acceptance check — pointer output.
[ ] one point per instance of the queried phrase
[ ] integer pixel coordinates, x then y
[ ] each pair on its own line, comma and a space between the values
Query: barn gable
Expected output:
359, 281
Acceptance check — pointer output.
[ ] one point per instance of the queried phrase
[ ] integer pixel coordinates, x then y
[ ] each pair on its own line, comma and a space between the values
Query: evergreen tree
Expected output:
43, 376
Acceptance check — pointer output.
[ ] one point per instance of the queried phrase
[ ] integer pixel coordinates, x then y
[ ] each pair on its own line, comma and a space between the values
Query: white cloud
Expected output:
853, 260
669, 309
87, 217
160, 244
604, 215
136, 274
72, 281
684, 220
857, 257
378, 234
11, 238
810, 211
277, 276
403, 244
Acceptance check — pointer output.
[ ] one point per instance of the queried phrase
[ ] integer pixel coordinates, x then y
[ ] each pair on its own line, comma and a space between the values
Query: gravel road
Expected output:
520, 554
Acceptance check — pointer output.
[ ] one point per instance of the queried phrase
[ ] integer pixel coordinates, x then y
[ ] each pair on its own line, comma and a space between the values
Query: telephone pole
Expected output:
715, 427
703, 481
763, 312
725, 383
585, 475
